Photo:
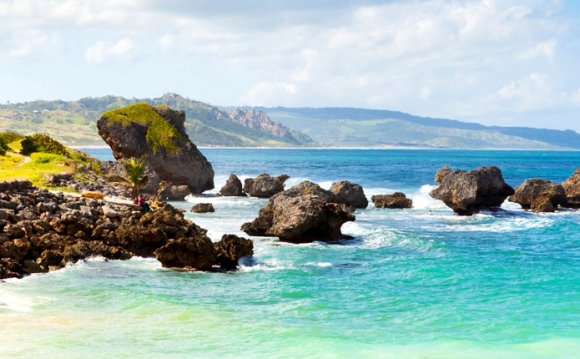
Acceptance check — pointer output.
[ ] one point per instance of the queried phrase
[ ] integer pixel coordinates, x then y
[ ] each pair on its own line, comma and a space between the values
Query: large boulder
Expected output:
188, 252
231, 248
264, 186
203, 208
233, 187
539, 195
468, 192
572, 189
350, 193
304, 213
157, 136
395, 200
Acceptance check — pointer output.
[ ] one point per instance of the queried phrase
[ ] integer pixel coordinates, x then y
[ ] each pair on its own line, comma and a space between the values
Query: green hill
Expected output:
375, 128
74, 122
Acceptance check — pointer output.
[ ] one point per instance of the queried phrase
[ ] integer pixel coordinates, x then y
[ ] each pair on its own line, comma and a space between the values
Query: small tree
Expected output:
136, 172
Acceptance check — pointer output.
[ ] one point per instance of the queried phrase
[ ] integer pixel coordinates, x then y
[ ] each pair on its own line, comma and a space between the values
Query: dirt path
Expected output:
26, 160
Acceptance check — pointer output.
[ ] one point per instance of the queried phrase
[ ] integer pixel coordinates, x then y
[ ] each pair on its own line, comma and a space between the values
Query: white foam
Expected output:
423, 199
319, 264
267, 265
15, 303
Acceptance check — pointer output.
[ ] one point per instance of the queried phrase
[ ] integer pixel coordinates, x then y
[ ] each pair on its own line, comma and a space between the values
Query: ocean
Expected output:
416, 283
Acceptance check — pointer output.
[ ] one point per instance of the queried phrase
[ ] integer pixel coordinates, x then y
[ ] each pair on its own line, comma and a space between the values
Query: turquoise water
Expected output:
414, 283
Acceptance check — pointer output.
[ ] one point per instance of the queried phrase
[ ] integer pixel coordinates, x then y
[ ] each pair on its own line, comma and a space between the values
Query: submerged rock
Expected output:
264, 186
468, 192
157, 136
203, 208
233, 187
539, 195
395, 200
349, 193
304, 213
572, 189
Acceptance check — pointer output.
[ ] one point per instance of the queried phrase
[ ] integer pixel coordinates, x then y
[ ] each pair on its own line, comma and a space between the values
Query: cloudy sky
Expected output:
506, 62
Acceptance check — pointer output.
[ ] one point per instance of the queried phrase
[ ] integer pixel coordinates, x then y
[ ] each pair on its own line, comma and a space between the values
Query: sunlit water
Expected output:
413, 283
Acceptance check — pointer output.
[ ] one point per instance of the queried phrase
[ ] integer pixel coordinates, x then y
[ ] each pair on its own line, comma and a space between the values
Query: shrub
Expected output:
9, 137
42, 143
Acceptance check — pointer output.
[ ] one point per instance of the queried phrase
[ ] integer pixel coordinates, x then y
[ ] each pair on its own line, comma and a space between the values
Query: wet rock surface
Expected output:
203, 208
264, 186
42, 231
572, 189
233, 187
349, 193
539, 195
468, 192
395, 200
304, 213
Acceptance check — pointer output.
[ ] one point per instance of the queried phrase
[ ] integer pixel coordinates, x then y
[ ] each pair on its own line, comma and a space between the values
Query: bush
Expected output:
42, 143
9, 137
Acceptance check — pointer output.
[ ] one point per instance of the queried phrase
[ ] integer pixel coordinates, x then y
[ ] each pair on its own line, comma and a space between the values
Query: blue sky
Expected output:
500, 62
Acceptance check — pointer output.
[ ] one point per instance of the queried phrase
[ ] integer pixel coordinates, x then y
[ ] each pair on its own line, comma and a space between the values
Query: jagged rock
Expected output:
304, 213
572, 189
539, 195
395, 200
231, 248
157, 136
349, 193
468, 192
203, 208
264, 186
233, 187
191, 252
168, 192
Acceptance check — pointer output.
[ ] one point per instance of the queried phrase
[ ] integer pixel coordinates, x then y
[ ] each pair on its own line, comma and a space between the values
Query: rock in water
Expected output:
157, 136
395, 200
233, 187
468, 192
190, 252
539, 195
572, 188
264, 186
231, 248
304, 213
203, 208
350, 193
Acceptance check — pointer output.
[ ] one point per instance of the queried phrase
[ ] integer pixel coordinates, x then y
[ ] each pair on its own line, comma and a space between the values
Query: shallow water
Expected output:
413, 283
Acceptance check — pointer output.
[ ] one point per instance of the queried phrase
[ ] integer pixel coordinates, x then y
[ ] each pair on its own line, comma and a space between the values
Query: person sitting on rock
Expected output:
143, 203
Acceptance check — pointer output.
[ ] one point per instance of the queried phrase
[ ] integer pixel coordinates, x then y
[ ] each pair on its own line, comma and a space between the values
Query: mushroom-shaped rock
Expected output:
468, 192
231, 248
188, 252
572, 189
539, 195
233, 187
157, 136
264, 186
349, 193
395, 200
304, 213
203, 208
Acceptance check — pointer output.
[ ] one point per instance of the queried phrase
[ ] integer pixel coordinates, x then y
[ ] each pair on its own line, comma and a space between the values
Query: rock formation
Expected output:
203, 208
395, 200
264, 186
157, 136
572, 188
349, 193
468, 192
539, 195
233, 187
42, 231
304, 213
231, 248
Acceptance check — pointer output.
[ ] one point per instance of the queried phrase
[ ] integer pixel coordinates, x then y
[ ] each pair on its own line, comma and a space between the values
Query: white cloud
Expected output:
102, 51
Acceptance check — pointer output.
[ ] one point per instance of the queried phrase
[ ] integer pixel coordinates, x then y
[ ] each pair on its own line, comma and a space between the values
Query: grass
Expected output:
160, 133
14, 166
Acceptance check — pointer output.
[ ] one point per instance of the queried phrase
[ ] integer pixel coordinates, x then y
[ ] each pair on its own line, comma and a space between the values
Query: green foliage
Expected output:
10, 136
160, 133
42, 143
136, 171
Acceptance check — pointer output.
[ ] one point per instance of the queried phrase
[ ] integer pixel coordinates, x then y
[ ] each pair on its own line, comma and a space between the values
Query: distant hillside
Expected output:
74, 122
362, 127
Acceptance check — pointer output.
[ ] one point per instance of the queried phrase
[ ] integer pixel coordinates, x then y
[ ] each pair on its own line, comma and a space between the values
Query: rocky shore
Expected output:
41, 231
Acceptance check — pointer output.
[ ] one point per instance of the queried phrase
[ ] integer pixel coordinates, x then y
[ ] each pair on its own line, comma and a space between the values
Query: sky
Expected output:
504, 62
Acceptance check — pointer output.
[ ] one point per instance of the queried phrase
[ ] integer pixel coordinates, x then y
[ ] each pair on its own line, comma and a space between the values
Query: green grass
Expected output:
14, 166
160, 133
